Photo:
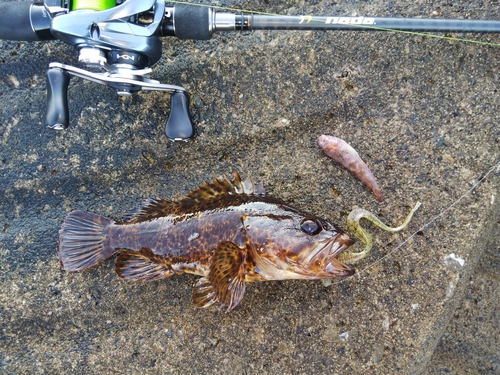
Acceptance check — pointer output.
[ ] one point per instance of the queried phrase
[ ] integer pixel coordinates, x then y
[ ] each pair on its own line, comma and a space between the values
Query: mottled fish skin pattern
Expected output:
227, 232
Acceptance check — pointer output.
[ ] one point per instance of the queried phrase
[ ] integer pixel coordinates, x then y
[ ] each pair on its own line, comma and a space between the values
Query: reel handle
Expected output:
179, 125
57, 115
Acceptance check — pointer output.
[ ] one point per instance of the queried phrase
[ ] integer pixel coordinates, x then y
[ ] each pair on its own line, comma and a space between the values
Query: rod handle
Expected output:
192, 22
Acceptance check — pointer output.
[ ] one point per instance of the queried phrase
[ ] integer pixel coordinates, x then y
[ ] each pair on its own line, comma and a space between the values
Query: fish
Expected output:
344, 154
228, 232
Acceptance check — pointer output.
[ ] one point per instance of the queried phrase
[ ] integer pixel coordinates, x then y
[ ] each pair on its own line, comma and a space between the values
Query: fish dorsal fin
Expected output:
225, 284
222, 186
204, 197
148, 209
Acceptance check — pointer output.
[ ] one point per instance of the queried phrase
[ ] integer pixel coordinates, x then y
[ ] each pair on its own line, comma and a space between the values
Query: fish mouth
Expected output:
330, 266
336, 268
340, 244
329, 249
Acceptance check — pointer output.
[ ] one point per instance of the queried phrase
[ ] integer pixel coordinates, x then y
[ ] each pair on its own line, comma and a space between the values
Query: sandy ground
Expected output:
422, 112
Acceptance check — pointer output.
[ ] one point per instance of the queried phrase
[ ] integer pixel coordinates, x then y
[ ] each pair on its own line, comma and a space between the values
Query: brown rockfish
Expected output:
227, 232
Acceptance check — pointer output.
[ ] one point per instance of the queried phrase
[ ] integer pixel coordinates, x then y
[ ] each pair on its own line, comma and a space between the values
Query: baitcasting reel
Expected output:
120, 38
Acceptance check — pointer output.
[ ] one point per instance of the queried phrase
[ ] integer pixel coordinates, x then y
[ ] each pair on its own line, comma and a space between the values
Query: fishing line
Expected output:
414, 33
438, 216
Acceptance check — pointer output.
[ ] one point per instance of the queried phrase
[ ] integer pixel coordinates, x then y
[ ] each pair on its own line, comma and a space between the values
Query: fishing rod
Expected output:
121, 39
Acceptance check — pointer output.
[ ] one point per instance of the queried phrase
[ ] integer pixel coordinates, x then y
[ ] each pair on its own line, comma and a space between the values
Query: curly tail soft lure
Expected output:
354, 227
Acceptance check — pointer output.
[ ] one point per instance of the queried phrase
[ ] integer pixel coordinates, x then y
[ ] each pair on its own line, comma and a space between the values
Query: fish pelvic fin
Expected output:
82, 241
203, 293
225, 284
140, 265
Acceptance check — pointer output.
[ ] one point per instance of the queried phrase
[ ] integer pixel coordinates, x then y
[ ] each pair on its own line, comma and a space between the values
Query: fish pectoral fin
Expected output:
137, 265
225, 284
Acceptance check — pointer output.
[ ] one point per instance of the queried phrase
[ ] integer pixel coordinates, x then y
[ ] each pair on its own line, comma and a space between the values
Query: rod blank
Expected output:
272, 22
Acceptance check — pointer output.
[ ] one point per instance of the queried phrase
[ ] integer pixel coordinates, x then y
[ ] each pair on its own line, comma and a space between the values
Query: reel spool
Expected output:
96, 5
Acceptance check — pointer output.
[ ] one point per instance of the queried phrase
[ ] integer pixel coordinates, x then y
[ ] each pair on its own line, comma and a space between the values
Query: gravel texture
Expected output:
422, 112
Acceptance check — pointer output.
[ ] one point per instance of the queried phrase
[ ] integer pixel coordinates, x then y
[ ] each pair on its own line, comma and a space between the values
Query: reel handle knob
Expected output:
57, 115
179, 125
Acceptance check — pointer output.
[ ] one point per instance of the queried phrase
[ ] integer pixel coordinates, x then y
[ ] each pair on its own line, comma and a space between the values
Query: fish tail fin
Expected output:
82, 241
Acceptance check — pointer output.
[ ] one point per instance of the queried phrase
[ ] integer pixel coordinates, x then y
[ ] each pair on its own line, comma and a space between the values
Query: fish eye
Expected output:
310, 226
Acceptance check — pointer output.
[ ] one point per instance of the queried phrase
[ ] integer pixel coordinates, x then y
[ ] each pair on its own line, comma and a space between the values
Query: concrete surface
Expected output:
470, 343
422, 112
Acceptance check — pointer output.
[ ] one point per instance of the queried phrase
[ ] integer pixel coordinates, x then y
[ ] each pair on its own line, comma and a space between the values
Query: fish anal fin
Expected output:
226, 280
138, 265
